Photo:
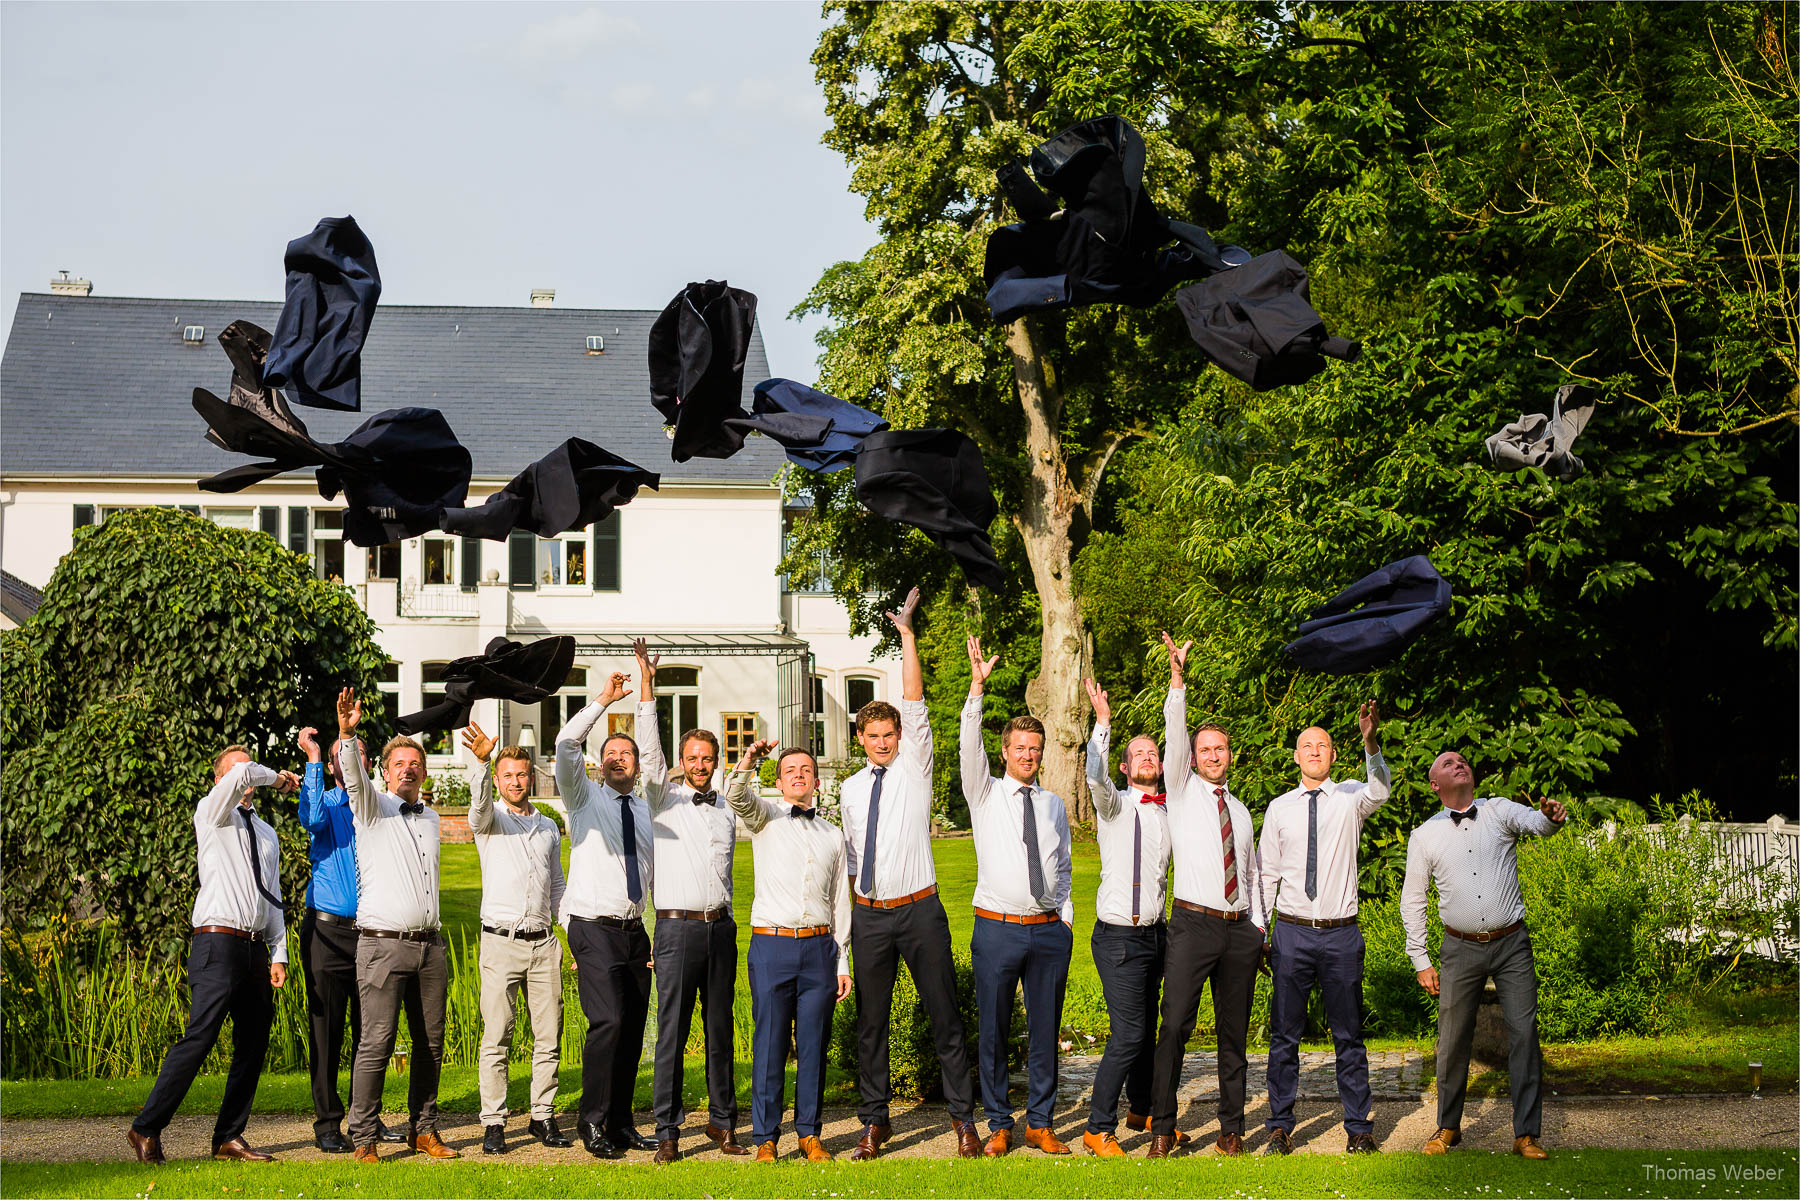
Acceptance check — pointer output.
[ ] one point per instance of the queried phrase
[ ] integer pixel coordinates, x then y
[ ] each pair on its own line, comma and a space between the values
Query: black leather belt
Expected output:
721, 913
404, 935
522, 935
1223, 914
325, 918
613, 922
1322, 923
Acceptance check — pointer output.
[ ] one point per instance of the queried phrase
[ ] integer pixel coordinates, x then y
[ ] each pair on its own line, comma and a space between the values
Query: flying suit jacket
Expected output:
523, 672
1535, 440
934, 480
332, 287
819, 432
1104, 245
573, 486
698, 344
1397, 602
1257, 323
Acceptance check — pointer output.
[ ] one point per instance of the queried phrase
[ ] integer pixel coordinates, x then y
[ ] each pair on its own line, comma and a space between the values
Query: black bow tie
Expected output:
705, 797
794, 810
1468, 814
411, 810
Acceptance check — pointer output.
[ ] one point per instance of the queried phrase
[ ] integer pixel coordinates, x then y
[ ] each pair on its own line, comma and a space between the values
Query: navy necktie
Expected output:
1312, 844
256, 859
1034, 861
866, 881
1137, 861
1457, 818
634, 883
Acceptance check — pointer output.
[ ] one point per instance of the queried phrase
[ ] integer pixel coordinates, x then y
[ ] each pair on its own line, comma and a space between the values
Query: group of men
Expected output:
1188, 896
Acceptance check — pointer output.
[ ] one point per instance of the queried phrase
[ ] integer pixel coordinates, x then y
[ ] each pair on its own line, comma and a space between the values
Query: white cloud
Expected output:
701, 99
634, 97
794, 98
568, 36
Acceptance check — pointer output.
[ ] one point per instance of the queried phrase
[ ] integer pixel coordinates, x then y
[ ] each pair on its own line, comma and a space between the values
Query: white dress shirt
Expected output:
1194, 824
1474, 863
903, 862
521, 860
1126, 820
597, 883
800, 879
997, 815
694, 842
396, 853
228, 893
1343, 805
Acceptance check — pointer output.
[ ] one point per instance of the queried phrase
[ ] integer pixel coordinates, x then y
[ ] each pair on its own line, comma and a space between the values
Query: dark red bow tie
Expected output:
1161, 798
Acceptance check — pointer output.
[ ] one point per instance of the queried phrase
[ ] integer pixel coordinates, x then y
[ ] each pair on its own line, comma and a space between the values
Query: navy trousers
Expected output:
1005, 955
1332, 958
1130, 961
793, 988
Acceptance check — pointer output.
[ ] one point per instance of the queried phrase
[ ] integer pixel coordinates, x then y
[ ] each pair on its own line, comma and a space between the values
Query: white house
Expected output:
95, 416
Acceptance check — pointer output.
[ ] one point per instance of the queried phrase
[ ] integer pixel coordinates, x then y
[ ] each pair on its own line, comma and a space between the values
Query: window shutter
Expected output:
471, 563
605, 567
269, 521
84, 515
297, 530
521, 550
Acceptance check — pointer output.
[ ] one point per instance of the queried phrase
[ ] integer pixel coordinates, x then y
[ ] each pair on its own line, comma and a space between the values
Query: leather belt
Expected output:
232, 930
721, 913
1015, 919
1490, 936
613, 922
325, 918
897, 901
1331, 923
522, 935
1234, 915
783, 931
404, 935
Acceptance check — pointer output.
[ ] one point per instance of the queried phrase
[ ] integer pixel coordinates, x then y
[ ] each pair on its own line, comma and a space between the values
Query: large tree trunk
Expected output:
1047, 522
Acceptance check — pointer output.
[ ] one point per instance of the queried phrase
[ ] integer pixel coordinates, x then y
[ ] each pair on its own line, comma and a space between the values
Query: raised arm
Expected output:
916, 744
975, 774
571, 742
1100, 786
738, 795
481, 779
1524, 821
361, 793
312, 783
1377, 790
653, 766
1178, 750
229, 791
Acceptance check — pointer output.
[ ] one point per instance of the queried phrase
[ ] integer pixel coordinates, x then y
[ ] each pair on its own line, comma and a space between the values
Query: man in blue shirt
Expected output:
328, 941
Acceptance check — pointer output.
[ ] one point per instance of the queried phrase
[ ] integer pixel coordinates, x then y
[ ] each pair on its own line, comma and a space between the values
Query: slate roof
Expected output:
102, 385
18, 599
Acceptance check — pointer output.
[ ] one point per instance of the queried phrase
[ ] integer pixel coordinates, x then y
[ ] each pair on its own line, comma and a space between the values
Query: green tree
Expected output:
161, 639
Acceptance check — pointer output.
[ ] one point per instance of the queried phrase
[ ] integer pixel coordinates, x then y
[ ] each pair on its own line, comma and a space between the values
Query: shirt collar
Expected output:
1012, 785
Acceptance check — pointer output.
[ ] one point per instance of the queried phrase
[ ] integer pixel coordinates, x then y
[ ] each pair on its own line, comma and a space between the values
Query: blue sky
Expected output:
610, 151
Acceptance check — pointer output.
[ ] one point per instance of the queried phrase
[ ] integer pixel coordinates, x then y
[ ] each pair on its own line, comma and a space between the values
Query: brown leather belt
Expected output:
898, 901
721, 913
325, 918
234, 932
1014, 919
1235, 915
1491, 935
784, 931
404, 935
522, 935
1331, 923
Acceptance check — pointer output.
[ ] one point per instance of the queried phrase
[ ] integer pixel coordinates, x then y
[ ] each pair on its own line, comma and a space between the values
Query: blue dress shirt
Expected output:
331, 844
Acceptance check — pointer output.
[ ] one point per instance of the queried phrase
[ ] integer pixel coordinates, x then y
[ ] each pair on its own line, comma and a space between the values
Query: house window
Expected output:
677, 706
816, 713
384, 562
268, 519
858, 691
328, 543
814, 577
232, 518
605, 566
389, 681
193, 335
440, 560
740, 732
441, 741
563, 561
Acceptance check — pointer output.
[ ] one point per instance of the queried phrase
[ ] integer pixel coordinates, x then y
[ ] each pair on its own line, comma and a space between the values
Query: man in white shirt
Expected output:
603, 909
521, 895
239, 953
799, 943
695, 836
898, 917
1216, 930
1469, 849
1023, 912
1130, 937
400, 960
1309, 876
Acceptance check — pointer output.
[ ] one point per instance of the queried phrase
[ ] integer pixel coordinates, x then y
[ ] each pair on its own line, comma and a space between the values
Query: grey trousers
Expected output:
1461, 979
506, 966
392, 974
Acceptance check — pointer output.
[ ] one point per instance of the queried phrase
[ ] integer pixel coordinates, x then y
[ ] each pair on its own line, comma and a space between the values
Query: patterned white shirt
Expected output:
1474, 863
396, 853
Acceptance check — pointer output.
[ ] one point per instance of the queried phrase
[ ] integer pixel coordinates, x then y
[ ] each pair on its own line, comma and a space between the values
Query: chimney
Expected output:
66, 285
543, 297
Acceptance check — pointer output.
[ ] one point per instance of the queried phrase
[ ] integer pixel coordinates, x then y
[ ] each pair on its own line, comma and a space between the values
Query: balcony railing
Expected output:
416, 601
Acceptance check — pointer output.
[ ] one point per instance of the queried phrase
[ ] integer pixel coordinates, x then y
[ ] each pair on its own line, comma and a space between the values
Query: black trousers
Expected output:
1130, 961
612, 974
328, 961
694, 960
230, 978
880, 939
1202, 948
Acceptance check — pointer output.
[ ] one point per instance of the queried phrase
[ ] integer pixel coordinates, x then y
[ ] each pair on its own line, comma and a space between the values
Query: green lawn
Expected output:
1577, 1173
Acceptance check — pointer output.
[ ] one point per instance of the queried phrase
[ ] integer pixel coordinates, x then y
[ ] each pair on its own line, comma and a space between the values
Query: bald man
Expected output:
1468, 848
1309, 876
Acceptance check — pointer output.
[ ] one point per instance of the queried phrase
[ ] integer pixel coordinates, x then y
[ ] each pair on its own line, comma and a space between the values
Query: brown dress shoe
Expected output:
1229, 1145
1441, 1141
666, 1151
1160, 1145
726, 1140
998, 1144
367, 1154
870, 1144
239, 1150
766, 1151
1102, 1145
430, 1143
968, 1142
1137, 1121
814, 1150
147, 1149
1045, 1140
1527, 1147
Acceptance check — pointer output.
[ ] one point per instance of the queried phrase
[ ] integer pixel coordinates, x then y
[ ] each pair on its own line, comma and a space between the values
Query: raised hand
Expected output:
1097, 697
760, 750
646, 661
1553, 809
286, 782
349, 713
980, 667
309, 743
902, 617
1177, 659
615, 689
479, 743
1368, 720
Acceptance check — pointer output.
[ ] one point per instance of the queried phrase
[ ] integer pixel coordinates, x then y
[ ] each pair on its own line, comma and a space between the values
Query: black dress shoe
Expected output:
333, 1141
547, 1133
1362, 1143
631, 1139
597, 1143
384, 1134
493, 1140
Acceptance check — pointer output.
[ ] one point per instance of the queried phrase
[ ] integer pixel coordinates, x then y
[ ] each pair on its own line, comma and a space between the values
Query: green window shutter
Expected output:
521, 550
84, 515
471, 563
269, 521
297, 530
605, 568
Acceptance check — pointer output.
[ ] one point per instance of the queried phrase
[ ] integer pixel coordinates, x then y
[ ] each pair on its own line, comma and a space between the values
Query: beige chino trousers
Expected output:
506, 966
